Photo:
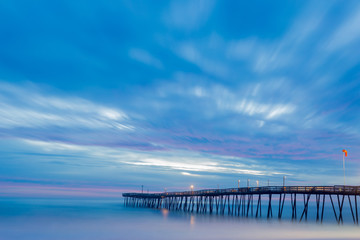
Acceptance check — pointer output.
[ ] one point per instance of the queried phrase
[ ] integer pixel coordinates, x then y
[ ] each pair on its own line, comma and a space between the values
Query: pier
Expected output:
248, 201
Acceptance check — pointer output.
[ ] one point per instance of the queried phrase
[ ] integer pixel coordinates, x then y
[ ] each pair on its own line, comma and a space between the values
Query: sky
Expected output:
101, 97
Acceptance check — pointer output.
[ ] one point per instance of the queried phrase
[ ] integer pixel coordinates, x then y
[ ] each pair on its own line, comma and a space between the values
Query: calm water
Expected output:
108, 219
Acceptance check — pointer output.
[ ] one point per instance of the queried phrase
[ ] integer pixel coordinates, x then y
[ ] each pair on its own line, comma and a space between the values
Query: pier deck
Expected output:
240, 201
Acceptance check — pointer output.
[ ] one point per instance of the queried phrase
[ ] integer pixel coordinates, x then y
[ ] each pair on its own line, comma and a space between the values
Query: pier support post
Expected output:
305, 207
322, 211
351, 208
332, 204
356, 209
340, 208
269, 207
280, 195
317, 207
258, 206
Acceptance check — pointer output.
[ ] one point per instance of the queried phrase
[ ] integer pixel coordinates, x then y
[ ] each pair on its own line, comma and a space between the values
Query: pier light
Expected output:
239, 183
284, 181
248, 183
257, 183
192, 188
345, 154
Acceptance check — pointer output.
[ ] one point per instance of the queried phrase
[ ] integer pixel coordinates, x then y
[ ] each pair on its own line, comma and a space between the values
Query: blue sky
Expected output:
103, 97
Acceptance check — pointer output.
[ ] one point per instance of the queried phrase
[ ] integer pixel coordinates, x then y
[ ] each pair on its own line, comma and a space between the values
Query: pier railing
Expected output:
337, 189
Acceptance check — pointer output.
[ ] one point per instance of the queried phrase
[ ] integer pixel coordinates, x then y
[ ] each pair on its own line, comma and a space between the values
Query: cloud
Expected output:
199, 91
197, 165
269, 98
229, 100
190, 174
188, 15
171, 160
94, 162
208, 65
286, 51
252, 108
241, 49
347, 33
145, 57
24, 107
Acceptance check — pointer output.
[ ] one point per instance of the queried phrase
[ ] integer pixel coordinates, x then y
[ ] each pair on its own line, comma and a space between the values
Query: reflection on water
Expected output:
164, 212
192, 220
79, 219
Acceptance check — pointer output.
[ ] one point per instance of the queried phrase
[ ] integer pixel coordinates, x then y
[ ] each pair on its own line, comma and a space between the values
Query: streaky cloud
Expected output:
22, 107
145, 57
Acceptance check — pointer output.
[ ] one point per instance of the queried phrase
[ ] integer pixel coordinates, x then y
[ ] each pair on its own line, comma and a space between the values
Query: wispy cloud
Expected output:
244, 101
190, 174
173, 160
25, 107
285, 51
188, 15
241, 49
348, 32
208, 65
96, 162
145, 57
199, 165
252, 108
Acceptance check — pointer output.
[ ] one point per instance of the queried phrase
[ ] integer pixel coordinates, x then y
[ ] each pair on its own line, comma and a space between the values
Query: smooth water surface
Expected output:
40, 219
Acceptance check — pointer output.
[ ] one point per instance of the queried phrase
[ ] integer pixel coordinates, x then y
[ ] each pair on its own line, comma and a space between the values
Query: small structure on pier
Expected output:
248, 201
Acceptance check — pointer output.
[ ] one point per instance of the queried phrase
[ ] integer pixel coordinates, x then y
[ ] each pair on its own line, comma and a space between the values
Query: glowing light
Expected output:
192, 220
164, 212
344, 151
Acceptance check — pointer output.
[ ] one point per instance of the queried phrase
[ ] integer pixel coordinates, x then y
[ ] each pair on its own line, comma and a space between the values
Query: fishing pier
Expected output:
256, 201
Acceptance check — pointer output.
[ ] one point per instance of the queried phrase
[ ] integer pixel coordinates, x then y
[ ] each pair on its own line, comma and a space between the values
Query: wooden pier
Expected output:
248, 202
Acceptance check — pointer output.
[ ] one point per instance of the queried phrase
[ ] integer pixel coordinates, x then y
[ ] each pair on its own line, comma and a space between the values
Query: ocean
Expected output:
59, 219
